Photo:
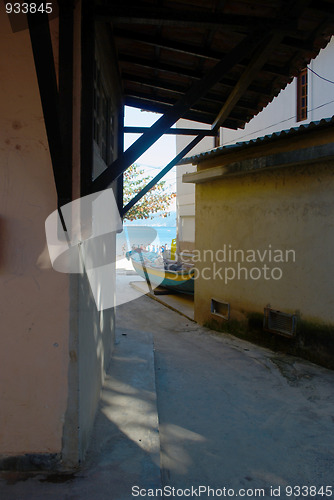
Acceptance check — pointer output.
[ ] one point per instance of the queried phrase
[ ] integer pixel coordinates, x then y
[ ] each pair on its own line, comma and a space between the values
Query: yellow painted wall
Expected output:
289, 208
34, 299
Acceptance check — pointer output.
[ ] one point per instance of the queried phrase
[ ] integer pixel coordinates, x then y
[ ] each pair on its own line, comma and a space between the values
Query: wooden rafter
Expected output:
160, 16
258, 62
293, 40
211, 98
194, 94
175, 69
148, 105
172, 131
161, 174
223, 86
208, 106
254, 66
40, 37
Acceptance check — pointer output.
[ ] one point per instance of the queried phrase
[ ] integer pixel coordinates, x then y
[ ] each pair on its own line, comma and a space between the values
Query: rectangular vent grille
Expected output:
220, 309
279, 322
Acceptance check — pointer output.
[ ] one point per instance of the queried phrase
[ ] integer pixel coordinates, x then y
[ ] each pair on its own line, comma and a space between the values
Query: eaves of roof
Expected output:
239, 146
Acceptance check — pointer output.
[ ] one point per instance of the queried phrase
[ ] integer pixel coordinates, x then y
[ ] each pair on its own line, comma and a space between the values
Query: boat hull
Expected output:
182, 282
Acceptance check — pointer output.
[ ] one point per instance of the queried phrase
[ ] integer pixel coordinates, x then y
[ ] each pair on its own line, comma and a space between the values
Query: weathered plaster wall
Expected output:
96, 342
92, 331
55, 344
34, 299
289, 208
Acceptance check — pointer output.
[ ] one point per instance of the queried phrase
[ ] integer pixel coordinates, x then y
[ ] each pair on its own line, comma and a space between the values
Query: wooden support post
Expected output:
87, 97
46, 75
196, 92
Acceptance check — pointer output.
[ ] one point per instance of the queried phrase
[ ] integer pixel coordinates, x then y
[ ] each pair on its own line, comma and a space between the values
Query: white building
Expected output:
282, 112
185, 200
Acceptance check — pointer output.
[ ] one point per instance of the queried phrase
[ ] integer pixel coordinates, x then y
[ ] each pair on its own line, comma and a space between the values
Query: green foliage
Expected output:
157, 199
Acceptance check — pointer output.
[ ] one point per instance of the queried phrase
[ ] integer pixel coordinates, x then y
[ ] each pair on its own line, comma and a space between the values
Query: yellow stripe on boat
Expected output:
162, 274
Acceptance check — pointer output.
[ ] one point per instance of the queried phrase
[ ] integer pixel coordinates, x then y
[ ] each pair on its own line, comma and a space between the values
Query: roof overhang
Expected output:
305, 145
214, 62
320, 132
165, 48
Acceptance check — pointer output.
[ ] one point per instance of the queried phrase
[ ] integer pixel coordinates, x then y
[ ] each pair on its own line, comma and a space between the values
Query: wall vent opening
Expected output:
279, 322
220, 309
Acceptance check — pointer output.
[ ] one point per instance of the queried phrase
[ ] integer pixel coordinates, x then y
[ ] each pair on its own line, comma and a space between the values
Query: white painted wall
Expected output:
280, 114
185, 200
34, 299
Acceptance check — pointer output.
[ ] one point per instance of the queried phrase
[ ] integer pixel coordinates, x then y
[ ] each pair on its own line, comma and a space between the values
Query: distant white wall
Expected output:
280, 114
185, 200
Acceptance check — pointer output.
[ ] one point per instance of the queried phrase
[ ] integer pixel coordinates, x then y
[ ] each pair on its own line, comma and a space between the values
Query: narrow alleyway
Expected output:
223, 412
233, 414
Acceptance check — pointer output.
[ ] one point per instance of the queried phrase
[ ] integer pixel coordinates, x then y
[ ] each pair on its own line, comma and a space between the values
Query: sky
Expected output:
158, 155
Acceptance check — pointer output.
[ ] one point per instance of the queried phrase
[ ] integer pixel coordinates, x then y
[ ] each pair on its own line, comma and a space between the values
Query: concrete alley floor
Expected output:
214, 411
233, 414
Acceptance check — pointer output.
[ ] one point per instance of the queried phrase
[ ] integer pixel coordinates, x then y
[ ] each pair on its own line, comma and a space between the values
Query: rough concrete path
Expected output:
125, 446
233, 414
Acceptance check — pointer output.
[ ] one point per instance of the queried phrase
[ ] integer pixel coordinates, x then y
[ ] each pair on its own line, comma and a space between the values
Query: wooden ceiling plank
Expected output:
223, 85
156, 84
200, 108
158, 107
194, 94
292, 41
202, 105
164, 43
251, 71
169, 68
195, 115
132, 14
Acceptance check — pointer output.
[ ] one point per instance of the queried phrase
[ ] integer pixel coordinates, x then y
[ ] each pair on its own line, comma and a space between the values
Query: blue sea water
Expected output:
166, 234
134, 236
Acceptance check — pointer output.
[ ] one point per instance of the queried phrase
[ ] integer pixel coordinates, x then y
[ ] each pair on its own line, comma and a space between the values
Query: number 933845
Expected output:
28, 8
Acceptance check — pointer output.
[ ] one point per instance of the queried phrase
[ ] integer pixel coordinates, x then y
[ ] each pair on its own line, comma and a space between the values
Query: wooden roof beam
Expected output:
291, 41
213, 99
255, 65
164, 43
155, 83
168, 68
173, 131
161, 174
258, 61
164, 101
156, 107
130, 13
197, 116
178, 110
225, 84
52, 103
153, 97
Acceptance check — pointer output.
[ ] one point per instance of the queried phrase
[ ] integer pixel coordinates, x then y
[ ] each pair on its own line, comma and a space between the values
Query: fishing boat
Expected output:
159, 271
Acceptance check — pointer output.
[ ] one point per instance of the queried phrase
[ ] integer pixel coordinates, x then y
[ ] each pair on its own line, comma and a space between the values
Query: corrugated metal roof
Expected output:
325, 122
